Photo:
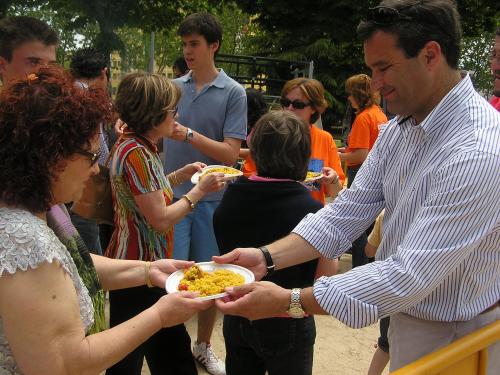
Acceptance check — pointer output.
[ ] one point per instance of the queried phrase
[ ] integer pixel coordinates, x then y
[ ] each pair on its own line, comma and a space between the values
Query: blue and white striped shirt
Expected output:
439, 182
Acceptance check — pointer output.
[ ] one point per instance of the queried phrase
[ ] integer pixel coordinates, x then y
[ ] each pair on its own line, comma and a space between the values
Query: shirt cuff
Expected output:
350, 311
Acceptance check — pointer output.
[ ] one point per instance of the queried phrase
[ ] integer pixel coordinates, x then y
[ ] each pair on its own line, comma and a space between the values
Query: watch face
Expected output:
295, 311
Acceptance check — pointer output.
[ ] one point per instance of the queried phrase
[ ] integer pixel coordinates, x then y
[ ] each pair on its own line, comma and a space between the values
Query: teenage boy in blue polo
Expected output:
211, 125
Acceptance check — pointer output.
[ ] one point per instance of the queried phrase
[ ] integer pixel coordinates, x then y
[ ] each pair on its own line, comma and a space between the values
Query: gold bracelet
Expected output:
147, 279
190, 201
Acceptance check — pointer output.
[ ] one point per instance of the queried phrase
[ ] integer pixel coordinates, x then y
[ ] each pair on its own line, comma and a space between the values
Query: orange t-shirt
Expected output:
322, 148
365, 128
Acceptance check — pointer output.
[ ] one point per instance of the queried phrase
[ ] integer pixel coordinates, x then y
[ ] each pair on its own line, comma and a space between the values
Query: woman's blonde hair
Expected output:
360, 87
142, 100
314, 92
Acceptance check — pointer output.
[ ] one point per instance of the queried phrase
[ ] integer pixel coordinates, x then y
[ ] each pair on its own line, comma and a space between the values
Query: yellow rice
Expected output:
208, 283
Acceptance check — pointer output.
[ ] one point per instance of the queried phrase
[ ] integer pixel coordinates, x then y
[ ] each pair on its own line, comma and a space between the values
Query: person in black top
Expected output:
258, 210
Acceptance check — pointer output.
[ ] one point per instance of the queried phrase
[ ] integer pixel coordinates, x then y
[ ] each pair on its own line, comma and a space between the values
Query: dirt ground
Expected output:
338, 350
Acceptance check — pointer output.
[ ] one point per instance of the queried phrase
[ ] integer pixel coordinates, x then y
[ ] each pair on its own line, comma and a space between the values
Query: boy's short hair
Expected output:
204, 24
281, 146
88, 63
17, 30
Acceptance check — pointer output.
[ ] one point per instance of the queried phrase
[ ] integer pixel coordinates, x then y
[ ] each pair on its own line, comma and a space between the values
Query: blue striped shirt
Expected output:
439, 182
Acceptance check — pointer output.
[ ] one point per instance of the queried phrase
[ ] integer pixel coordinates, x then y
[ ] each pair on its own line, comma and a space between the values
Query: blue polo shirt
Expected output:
218, 111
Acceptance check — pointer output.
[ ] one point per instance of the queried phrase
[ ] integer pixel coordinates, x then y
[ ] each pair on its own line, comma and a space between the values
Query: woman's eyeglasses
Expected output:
93, 156
172, 111
297, 104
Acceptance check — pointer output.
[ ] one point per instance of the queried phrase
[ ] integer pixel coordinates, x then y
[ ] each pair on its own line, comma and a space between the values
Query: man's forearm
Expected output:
291, 250
225, 152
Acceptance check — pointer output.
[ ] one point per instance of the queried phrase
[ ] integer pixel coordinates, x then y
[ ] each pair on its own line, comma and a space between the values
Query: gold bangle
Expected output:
190, 201
147, 279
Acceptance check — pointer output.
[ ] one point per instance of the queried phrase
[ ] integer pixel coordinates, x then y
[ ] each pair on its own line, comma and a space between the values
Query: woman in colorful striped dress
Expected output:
145, 214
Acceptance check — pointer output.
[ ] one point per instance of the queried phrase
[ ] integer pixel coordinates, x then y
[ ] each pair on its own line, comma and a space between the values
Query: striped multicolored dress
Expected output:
136, 169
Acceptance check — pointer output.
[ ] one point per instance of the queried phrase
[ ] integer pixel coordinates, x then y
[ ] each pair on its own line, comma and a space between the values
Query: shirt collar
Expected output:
459, 93
218, 82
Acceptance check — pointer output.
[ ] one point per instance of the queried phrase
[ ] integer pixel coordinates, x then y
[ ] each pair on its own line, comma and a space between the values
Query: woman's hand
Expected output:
161, 269
176, 308
212, 182
329, 176
184, 174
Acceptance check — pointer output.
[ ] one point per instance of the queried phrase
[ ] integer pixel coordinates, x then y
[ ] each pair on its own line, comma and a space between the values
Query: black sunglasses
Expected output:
94, 157
383, 15
297, 104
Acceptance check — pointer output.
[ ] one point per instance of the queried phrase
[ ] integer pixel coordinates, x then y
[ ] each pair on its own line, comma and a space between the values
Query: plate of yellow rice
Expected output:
313, 176
209, 279
229, 172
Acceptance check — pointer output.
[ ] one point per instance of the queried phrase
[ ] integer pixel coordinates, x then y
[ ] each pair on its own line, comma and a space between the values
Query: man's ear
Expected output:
432, 55
3, 65
215, 46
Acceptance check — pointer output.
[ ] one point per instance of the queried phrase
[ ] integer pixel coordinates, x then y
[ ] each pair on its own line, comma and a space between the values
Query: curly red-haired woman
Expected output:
48, 149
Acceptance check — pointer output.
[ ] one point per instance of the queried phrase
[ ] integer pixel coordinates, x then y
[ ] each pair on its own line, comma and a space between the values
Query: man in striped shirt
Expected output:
435, 168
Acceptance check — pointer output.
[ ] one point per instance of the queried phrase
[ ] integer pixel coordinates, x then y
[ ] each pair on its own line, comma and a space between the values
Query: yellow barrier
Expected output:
465, 356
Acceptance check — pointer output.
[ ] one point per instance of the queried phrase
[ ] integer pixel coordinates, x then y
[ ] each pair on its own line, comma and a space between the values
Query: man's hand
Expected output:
255, 301
179, 133
161, 269
250, 258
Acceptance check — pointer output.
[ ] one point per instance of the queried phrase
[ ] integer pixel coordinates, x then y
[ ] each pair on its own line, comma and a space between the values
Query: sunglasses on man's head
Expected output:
93, 156
297, 104
385, 16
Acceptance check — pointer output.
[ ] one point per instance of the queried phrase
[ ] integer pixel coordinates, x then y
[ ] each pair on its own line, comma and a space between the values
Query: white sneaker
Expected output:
205, 355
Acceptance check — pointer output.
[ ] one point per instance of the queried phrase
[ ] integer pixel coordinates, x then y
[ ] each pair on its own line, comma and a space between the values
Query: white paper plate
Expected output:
172, 283
314, 178
196, 177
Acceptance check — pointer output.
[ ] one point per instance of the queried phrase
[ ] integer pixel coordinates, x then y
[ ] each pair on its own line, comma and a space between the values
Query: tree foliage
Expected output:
325, 31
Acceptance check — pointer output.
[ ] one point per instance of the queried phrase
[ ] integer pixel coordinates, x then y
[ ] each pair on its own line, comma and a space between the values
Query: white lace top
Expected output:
27, 241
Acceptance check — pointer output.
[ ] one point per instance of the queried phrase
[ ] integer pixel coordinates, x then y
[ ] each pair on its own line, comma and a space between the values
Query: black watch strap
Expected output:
269, 260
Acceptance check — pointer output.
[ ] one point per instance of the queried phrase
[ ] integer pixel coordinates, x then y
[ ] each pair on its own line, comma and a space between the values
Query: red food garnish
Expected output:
183, 287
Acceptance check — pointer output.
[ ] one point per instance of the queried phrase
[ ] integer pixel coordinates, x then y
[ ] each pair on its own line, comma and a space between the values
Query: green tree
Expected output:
325, 31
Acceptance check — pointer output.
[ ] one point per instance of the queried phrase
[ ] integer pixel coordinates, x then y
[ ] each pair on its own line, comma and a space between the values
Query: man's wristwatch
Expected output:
295, 309
189, 135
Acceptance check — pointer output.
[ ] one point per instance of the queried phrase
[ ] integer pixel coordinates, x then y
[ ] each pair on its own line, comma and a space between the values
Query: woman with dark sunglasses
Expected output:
49, 138
305, 97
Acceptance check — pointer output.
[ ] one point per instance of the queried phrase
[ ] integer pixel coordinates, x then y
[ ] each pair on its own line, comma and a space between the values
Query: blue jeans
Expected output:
89, 231
280, 346
194, 237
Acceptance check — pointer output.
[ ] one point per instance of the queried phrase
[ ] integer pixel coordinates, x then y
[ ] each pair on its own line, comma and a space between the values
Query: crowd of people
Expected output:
421, 199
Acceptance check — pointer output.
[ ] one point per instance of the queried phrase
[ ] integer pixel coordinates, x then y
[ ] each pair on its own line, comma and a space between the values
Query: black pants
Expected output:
282, 346
383, 340
167, 352
359, 257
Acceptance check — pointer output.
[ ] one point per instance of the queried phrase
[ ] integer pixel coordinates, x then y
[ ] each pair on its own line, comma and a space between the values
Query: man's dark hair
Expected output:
15, 31
281, 146
203, 24
419, 23
88, 63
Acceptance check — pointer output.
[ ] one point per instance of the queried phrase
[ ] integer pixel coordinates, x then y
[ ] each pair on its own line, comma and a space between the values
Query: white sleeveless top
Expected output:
27, 241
